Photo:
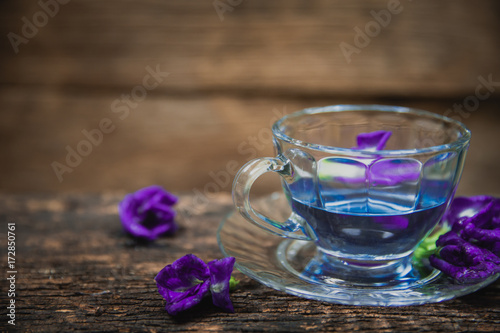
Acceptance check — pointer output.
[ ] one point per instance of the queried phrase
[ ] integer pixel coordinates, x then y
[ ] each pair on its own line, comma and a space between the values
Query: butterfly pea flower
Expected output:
486, 237
477, 220
185, 282
148, 213
463, 261
466, 207
471, 250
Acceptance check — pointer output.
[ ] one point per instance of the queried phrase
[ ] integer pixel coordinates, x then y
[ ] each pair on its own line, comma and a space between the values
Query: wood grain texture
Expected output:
184, 144
282, 47
226, 79
79, 272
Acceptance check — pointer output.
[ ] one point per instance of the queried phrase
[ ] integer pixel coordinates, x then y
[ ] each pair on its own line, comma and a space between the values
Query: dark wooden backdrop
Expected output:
229, 75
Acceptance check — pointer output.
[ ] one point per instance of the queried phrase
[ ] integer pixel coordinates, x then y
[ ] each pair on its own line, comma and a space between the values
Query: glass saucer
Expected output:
278, 263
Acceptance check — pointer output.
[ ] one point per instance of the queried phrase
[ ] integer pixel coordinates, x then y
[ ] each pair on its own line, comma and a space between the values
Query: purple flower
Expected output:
464, 207
373, 140
185, 282
477, 220
486, 237
463, 261
148, 213
471, 250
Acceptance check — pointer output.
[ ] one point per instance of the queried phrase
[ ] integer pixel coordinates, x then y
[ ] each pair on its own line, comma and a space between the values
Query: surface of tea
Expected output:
348, 230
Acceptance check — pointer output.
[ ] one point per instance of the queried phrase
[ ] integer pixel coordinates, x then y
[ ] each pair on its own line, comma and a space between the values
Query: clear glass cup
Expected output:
366, 211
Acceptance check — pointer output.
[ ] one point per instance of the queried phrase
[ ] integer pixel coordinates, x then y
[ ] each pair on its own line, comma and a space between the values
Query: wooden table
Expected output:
76, 270
229, 77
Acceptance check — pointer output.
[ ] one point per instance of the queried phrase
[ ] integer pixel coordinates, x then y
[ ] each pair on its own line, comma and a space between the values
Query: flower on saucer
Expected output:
185, 282
471, 250
464, 207
148, 213
463, 261
477, 220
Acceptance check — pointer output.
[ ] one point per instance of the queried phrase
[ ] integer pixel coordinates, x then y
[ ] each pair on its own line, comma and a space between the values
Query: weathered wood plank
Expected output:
282, 47
78, 271
183, 143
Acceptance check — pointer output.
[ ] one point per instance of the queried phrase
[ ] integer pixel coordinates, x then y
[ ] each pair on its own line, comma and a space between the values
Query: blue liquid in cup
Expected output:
376, 212
348, 231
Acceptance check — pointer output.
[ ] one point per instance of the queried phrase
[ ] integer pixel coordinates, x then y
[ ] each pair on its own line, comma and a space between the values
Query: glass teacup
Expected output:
365, 210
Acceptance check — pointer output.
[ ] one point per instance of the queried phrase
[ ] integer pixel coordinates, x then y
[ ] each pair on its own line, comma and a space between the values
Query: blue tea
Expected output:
372, 209
347, 230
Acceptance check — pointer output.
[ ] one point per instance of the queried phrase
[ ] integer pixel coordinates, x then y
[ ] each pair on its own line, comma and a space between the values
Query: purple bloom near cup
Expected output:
185, 282
148, 213
477, 220
464, 261
471, 250
463, 207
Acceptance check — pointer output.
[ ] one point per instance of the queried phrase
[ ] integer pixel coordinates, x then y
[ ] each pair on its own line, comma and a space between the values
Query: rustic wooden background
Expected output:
67, 66
230, 74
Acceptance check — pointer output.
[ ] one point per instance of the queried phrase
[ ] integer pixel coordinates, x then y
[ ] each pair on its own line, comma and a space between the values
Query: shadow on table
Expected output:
481, 298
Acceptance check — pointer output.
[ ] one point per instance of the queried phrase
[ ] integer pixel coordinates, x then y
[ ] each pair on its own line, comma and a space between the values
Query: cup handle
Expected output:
295, 227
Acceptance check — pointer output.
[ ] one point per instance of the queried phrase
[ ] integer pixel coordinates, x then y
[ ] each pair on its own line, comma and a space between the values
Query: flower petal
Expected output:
184, 283
466, 263
373, 140
462, 207
449, 238
220, 274
488, 239
478, 222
